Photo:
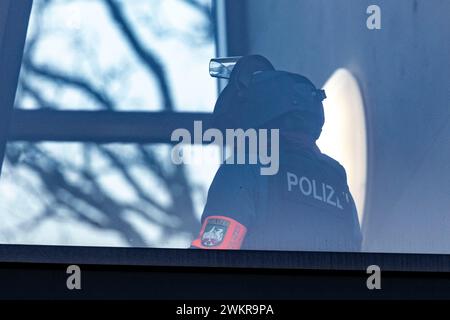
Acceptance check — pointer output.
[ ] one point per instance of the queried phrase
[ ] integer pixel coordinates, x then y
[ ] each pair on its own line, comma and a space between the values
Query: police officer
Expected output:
307, 205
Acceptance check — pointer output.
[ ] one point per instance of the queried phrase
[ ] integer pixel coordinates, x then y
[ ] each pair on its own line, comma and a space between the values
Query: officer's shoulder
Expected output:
334, 164
235, 171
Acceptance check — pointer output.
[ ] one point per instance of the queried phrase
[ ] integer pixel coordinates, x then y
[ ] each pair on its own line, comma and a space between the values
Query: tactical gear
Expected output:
258, 94
307, 206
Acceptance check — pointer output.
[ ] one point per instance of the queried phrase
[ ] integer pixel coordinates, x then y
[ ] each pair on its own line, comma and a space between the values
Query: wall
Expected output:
403, 70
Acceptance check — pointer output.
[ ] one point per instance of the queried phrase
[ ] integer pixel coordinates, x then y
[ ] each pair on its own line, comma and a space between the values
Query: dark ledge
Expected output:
222, 259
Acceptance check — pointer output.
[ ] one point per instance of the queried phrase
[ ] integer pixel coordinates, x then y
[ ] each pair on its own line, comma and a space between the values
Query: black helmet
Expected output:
258, 94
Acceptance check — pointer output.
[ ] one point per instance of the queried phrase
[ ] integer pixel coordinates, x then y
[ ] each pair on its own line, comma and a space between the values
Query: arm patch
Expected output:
220, 233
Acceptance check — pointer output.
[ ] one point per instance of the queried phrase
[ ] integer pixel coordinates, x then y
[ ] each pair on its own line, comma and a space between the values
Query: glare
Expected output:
344, 134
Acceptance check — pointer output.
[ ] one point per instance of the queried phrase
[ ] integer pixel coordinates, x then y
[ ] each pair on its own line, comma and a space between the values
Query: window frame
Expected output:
27, 125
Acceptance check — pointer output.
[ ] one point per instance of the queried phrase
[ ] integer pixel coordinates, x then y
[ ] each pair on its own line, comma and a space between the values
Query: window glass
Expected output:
102, 195
118, 55
335, 137
110, 56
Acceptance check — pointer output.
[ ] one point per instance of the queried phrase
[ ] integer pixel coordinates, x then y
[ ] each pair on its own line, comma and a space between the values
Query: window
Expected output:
104, 84
97, 59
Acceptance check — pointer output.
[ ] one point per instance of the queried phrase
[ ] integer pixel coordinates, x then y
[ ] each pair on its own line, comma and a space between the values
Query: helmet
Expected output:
258, 94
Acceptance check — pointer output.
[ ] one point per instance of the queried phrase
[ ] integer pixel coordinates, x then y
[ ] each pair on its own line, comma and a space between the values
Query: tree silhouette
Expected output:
85, 197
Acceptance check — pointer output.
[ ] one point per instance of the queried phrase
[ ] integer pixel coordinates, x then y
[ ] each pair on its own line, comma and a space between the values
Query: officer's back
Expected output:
307, 205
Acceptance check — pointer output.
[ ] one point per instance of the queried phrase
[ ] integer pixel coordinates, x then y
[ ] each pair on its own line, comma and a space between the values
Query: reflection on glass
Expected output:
222, 67
118, 55
102, 195
345, 137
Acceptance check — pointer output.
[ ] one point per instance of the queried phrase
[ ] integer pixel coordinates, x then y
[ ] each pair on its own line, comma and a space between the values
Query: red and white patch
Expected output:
219, 232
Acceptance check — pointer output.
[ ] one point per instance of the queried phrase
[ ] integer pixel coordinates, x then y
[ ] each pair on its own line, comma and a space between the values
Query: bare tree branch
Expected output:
88, 193
35, 94
201, 7
76, 82
144, 54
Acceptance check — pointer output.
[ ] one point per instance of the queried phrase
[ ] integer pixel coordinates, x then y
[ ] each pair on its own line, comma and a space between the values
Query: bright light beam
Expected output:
344, 136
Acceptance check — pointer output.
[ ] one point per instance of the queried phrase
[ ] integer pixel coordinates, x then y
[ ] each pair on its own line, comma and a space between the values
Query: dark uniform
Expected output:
307, 206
